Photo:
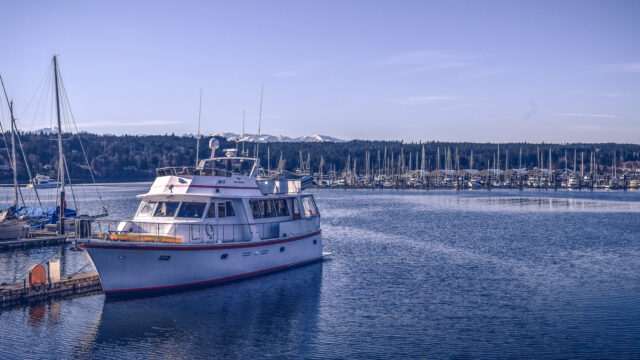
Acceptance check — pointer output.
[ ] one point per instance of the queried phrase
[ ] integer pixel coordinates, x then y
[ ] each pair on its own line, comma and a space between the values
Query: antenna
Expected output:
259, 122
243, 153
198, 139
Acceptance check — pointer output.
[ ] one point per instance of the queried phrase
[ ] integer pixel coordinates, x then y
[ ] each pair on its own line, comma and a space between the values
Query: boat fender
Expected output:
209, 230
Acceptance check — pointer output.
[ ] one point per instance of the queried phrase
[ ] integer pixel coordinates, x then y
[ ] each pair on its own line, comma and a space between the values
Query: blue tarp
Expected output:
41, 216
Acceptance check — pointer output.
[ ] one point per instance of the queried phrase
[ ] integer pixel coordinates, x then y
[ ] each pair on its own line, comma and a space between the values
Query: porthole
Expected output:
315, 241
282, 249
164, 257
246, 253
224, 256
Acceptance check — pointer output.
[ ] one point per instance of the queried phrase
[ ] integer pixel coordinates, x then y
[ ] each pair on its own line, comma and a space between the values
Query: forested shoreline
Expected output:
135, 157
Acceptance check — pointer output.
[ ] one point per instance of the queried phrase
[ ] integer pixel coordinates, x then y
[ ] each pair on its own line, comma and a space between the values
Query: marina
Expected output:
503, 258
320, 180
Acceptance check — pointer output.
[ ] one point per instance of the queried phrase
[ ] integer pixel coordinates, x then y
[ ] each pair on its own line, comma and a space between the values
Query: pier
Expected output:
36, 241
22, 293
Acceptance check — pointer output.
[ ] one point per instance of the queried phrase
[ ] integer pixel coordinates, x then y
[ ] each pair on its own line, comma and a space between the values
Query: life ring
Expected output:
209, 230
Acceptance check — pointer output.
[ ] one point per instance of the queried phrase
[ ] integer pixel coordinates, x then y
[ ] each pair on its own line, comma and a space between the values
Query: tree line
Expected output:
136, 157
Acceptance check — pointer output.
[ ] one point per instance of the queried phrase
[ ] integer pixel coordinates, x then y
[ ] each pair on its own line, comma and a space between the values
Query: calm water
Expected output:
476, 274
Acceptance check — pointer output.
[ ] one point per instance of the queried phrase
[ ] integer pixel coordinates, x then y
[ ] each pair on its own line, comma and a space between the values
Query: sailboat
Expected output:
43, 217
12, 227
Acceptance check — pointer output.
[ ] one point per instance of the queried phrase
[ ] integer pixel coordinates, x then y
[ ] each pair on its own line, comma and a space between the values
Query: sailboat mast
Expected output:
198, 139
60, 154
13, 155
14, 165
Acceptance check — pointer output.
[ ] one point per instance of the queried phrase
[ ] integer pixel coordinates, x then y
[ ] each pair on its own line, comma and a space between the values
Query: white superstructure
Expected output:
215, 222
42, 182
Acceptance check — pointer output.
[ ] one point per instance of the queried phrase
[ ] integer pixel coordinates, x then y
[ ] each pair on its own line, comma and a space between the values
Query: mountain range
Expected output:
265, 138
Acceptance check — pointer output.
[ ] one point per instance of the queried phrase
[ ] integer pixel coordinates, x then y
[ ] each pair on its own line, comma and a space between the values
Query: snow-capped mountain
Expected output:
264, 138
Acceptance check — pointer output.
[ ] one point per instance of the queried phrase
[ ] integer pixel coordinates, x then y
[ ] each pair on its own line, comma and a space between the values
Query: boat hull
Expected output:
134, 268
12, 229
42, 186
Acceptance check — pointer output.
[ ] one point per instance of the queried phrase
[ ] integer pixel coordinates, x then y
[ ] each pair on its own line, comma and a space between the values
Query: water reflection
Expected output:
219, 321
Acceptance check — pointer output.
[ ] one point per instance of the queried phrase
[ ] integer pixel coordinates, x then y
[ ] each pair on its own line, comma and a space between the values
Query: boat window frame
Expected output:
183, 203
314, 211
221, 206
282, 207
229, 206
175, 212
144, 203
295, 213
211, 206
266, 208
256, 209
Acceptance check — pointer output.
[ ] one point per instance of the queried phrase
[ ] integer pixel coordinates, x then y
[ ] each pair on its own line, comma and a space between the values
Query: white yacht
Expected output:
212, 223
42, 182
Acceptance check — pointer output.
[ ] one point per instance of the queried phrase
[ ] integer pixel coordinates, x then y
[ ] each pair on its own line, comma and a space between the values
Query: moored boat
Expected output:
42, 182
215, 222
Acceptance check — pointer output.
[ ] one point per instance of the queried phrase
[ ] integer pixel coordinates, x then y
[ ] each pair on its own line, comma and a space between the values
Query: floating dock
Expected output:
35, 241
21, 293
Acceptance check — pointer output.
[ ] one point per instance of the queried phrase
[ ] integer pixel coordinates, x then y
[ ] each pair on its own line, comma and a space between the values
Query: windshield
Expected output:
193, 210
166, 209
146, 208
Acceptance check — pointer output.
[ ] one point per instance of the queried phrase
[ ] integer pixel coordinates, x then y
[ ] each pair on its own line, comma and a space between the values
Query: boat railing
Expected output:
191, 233
192, 170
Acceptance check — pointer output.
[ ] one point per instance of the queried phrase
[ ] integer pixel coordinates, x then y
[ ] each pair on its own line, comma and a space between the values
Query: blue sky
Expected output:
498, 71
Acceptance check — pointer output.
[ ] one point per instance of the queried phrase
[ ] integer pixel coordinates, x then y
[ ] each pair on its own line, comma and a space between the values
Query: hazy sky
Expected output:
555, 71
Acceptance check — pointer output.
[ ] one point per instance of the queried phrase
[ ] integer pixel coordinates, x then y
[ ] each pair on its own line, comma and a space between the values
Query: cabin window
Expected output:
221, 210
166, 209
296, 209
229, 208
193, 210
211, 213
309, 206
146, 208
281, 207
268, 208
255, 209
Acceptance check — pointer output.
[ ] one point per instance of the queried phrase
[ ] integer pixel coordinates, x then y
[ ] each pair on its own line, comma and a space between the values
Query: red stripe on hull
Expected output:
213, 281
191, 247
218, 187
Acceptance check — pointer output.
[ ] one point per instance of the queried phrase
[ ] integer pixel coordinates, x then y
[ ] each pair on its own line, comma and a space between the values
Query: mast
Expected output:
14, 165
198, 139
60, 154
259, 123
13, 155
243, 154
520, 159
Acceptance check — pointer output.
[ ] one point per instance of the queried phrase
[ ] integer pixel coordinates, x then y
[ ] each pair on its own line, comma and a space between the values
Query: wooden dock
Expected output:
21, 294
35, 241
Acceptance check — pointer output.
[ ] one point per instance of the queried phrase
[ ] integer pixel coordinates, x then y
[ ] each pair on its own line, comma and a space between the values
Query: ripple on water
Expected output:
414, 274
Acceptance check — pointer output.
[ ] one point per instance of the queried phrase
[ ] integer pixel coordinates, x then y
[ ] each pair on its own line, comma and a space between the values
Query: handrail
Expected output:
193, 233
192, 170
